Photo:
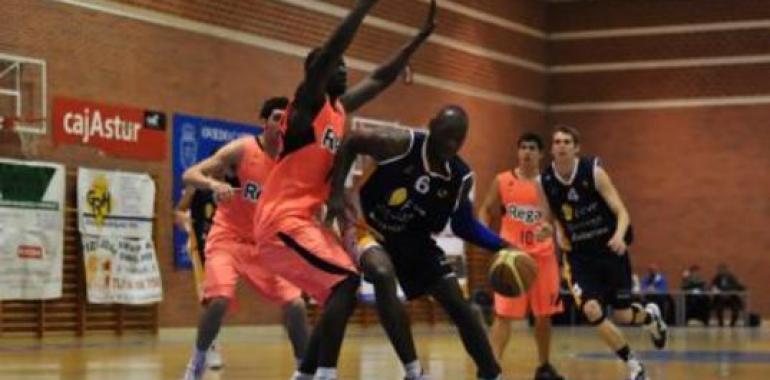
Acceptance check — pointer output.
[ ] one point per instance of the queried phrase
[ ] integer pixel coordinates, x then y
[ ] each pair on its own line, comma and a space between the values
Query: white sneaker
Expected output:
657, 327
301, 376
636, 370
195, 367
214, 358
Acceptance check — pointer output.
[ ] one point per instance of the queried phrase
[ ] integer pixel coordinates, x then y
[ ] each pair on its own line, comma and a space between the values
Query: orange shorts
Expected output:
308, 255
542, 297
228, 258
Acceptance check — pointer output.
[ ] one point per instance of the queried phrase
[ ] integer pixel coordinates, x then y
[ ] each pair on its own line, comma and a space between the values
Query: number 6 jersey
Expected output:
404, 198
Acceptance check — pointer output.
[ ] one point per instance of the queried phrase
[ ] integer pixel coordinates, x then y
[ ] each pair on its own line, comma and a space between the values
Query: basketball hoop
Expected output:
27, 129
6, 122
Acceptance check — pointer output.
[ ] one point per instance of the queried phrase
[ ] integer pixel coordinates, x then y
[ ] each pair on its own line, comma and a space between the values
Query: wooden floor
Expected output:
263, 354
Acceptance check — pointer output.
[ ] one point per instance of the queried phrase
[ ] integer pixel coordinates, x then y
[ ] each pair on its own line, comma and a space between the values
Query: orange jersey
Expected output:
236, 215
300, 184
522, 214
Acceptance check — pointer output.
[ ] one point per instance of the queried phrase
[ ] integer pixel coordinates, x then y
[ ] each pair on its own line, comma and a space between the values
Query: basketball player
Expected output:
230, 240
195, 211
290, 241
513, 195
418, 186
195, 214
578, 193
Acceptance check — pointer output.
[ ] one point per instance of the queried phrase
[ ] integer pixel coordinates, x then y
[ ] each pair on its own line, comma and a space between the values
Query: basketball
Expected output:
512, 272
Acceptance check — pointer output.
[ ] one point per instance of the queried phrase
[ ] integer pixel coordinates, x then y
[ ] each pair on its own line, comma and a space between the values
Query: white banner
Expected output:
31, 229
114, 203
121, 270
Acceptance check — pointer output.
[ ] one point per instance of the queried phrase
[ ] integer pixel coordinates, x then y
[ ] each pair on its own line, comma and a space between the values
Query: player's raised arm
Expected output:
386, 74
319, 68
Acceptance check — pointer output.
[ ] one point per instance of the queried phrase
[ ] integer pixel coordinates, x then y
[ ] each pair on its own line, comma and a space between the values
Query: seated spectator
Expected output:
697, 302
654, 281
726, 288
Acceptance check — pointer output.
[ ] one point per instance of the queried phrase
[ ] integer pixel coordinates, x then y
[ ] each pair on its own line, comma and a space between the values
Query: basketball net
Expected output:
23, 128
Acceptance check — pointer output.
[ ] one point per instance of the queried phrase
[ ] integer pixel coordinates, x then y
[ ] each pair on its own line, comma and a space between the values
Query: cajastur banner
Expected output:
118, 131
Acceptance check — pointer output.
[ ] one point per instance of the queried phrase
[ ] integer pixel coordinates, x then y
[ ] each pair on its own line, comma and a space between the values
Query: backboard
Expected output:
23, 95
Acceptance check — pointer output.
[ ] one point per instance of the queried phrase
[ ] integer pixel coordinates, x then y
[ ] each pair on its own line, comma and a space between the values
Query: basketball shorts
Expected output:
418, 261
230, 258
599, 275
308, 255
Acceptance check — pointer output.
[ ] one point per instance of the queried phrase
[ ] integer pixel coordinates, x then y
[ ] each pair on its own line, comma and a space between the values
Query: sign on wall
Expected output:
121, 270
194, 139
31, 229
115, 214
119, 131
115, 203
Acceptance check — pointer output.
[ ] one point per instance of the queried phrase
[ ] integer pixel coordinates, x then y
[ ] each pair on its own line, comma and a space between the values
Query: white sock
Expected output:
301, 376
413, 370
326, 373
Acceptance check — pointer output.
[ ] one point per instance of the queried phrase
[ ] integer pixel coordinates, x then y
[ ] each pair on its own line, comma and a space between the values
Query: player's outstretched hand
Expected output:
430, 22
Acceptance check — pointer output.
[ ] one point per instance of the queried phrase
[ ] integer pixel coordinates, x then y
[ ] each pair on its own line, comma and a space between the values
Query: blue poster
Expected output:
194, 139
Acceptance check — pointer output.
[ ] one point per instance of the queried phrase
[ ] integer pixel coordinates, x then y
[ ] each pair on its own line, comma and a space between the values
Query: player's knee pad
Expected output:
593, 311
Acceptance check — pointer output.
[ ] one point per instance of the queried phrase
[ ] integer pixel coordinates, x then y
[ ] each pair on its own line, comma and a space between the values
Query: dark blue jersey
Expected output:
202, 207
404, 199
588, 221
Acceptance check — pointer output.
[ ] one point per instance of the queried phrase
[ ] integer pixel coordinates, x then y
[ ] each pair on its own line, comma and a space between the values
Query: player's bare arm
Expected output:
605, 187
182, 209
379, 143
546, 228
386, 74
207, 174
490, 208
310, 95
